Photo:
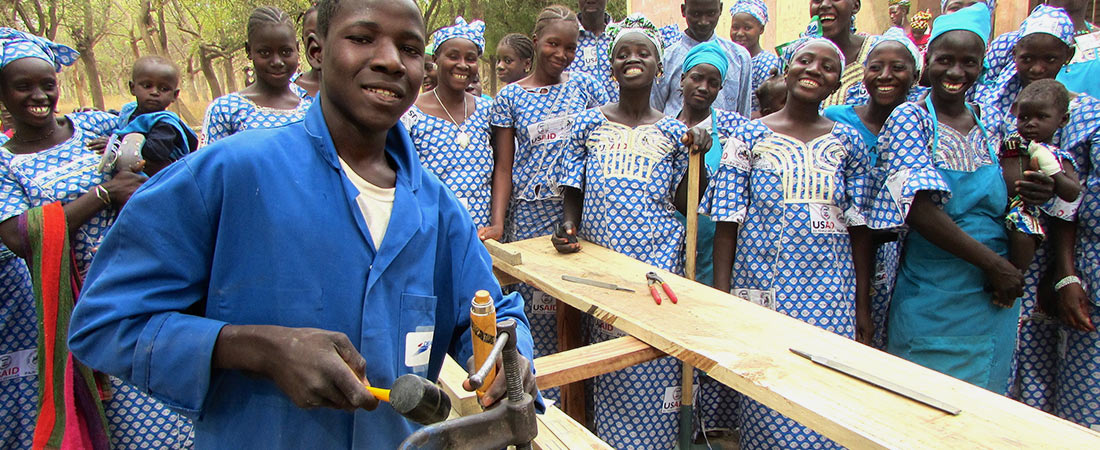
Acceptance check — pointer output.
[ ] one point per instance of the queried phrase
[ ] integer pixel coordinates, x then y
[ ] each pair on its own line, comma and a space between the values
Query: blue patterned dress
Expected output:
629, 177
794, 201
1078, 398
63, 173
593, 60
18, 341
543, 120
762, 65
233, 113
998, 56
466, 171
886, 257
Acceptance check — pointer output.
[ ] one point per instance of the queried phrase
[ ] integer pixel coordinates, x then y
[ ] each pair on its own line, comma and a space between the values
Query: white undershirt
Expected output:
375, 203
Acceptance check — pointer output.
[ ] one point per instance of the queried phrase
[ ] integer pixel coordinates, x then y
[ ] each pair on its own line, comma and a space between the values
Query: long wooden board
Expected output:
747, 347
592, 360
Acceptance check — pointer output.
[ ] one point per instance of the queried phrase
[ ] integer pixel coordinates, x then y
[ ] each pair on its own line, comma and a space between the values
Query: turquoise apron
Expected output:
941, 316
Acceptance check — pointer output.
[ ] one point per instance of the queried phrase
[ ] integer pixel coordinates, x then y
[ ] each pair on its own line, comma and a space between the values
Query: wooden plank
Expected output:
558, 431
747, 347
569, 327
451, 377
504, 254
504, 279
592, 360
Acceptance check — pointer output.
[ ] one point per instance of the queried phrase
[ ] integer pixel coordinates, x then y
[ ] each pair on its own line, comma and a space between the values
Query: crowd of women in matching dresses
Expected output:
935, 197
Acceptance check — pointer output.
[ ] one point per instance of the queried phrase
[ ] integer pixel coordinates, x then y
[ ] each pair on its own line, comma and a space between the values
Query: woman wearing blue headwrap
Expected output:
749, 17
787, 199
625, 171
953, 308
704, 69
450, 127
892, 68
46, 165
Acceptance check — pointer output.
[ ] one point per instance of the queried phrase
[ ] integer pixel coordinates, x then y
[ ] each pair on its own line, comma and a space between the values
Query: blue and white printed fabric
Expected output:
63, 173
467, 170
233, 113
801, 196
629, 177
593, 60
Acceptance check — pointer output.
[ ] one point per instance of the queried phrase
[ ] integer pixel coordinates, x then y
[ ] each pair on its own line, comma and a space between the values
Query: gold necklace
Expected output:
462, 139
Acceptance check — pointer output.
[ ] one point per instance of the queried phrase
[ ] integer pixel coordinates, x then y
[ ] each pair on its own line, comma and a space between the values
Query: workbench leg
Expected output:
569, 337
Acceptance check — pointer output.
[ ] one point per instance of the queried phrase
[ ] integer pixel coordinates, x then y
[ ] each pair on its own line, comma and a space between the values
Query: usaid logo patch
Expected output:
418, 348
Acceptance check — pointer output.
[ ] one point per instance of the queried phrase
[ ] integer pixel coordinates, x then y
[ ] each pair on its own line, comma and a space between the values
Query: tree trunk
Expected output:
81, 99
87, 56
207, 66
230, 74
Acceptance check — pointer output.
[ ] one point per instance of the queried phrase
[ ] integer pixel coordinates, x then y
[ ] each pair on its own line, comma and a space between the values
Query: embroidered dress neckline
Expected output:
801, 142
268, 109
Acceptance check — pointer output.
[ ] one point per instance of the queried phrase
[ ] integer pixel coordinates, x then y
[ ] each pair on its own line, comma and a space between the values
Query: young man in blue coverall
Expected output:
255, 286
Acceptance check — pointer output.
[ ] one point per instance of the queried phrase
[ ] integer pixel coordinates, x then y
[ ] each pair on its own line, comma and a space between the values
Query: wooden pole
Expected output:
695, 162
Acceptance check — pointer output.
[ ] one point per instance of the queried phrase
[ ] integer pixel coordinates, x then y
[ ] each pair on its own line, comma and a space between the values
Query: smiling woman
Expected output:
273, 48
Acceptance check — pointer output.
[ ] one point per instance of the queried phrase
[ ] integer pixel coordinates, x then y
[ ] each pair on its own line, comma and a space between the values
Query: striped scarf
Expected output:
70, 414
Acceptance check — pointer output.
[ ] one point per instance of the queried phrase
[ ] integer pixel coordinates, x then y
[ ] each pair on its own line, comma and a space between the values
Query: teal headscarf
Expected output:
974, 18
708, 53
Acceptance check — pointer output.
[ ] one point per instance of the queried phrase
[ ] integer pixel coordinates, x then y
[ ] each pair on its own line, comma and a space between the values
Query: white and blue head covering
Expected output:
992, 4
754, 8
473, 31
1049, 20
790, 49
635, 23
18, 45
895, 34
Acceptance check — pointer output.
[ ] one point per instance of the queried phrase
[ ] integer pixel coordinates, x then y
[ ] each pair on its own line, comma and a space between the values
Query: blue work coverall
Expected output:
263, 228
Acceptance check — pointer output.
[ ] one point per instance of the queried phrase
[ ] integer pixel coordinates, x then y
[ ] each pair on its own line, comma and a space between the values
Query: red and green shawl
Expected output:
70, 414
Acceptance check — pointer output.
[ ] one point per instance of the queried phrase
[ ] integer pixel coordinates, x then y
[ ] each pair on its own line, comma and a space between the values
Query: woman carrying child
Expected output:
630, 208
791, 182
450, 127
56, 203
890, 73
269, 102
1041, 47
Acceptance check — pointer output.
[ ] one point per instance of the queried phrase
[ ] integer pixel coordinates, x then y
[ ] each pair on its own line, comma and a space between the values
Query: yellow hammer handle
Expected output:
379, 393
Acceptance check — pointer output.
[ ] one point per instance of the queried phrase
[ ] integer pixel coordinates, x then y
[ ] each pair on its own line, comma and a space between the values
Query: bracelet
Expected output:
102, 194
1066, 282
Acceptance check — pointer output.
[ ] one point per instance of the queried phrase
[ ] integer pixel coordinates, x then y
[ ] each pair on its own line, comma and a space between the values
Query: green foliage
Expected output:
501, 16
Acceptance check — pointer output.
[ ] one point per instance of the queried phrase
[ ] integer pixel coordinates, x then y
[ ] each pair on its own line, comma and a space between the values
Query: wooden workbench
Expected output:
747, 348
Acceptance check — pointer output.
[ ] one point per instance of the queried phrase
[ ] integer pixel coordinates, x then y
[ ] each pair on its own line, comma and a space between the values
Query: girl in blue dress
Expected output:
269, 102
46, 161
793, 180
515, 53
450, 127
891, 70
748, 19
532, 121
953, 307
630, 208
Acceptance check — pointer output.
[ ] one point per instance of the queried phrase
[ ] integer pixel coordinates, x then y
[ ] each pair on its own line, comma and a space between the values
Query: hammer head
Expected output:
419, 400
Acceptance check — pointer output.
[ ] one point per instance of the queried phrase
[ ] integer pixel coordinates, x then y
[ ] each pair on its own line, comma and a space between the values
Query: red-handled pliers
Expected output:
651, 279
